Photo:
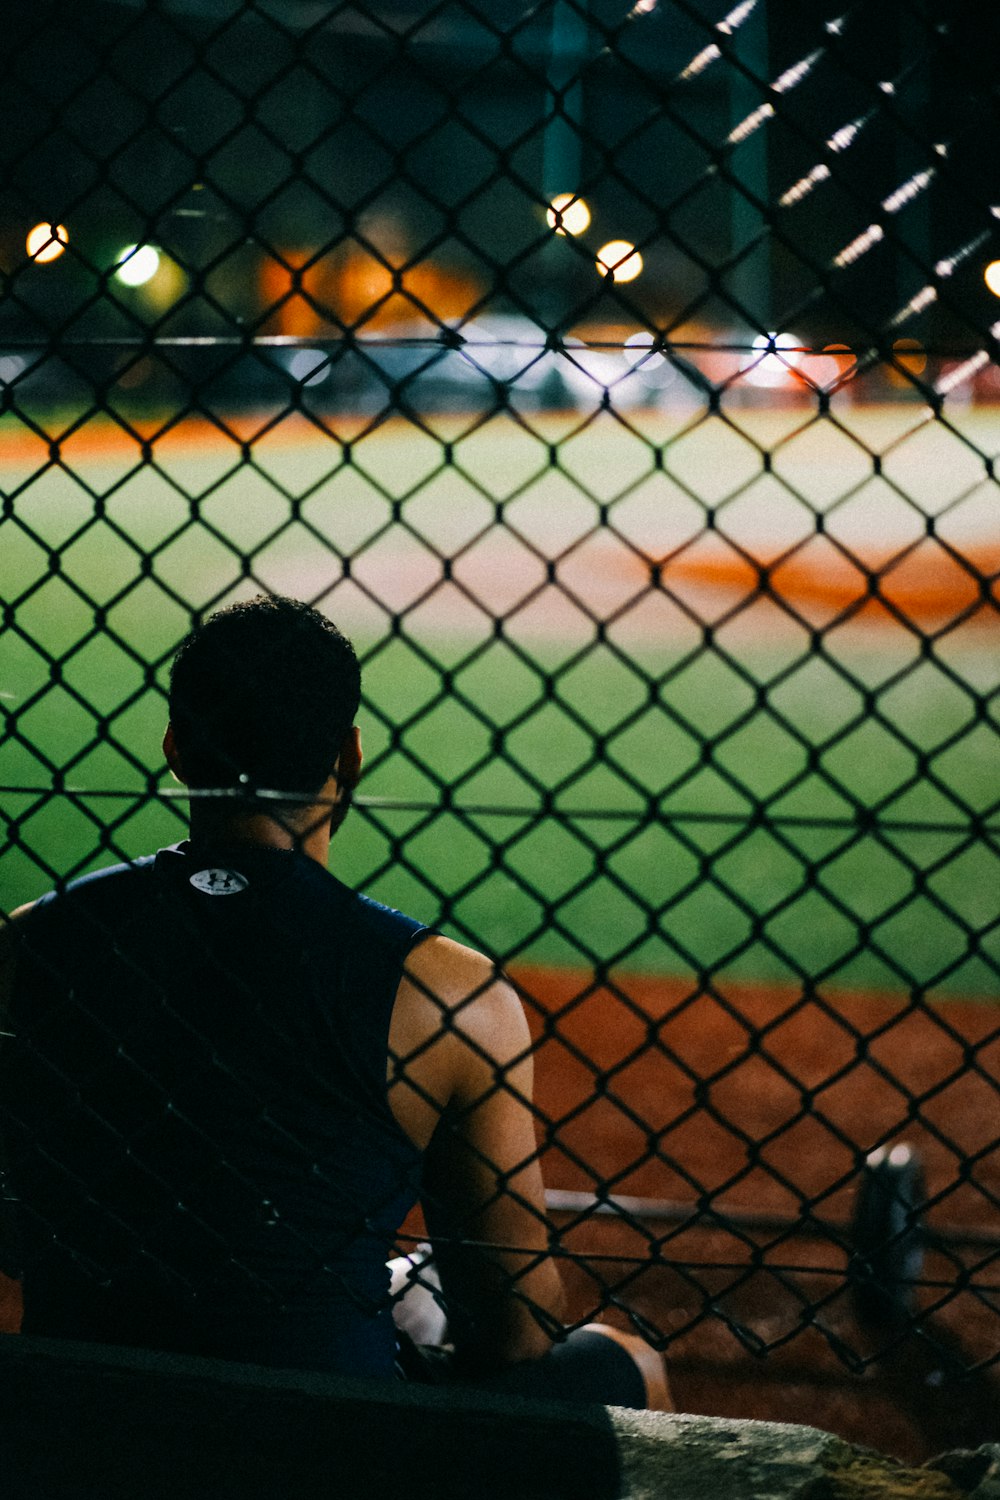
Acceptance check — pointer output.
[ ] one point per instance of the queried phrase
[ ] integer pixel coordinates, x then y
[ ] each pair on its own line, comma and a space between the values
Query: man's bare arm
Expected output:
462, 1091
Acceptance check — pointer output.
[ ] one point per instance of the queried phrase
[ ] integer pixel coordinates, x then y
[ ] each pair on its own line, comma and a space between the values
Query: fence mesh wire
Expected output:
622, 379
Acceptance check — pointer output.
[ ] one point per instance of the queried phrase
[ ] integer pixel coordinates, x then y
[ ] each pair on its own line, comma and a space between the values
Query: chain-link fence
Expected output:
622, 380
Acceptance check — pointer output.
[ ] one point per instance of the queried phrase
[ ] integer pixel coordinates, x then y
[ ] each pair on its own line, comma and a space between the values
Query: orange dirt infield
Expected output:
914, 582
925, 586
762, 1100
803, 1082
659, 1091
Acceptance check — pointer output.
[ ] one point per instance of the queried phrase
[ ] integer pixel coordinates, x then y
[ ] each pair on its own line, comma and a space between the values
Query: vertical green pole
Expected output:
562, 153
562, 145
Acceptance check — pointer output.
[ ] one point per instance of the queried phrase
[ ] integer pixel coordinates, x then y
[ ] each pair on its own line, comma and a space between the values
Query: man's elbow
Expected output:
532, 1341
523, 1329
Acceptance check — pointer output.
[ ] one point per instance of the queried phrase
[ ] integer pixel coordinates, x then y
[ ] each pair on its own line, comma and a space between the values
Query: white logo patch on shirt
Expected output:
218, 882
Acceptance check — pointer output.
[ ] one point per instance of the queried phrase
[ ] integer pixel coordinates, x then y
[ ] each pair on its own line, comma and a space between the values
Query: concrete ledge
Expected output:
707, 1458
82, 1422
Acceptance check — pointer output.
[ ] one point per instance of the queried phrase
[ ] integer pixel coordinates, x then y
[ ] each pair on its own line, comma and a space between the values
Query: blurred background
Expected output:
250, 176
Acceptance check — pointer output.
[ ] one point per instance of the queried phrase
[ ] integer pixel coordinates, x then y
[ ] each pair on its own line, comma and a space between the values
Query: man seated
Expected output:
228, 1078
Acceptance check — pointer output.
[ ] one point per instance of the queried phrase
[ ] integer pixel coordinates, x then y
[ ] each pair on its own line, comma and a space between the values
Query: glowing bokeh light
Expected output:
829, 369
639, 349
567, 214
772, 359
647, 360
137, 264
309, 366
992, 277
909, 356
620, 260
46, 242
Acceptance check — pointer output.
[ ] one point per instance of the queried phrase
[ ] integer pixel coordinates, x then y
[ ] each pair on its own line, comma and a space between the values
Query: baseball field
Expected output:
651, 760
717, 780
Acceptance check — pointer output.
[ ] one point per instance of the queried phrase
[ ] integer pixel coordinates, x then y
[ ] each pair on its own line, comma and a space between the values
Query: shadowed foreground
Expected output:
82, 1423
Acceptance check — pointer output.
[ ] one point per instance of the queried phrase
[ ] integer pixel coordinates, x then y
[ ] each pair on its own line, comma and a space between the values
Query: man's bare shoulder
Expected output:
469, 992
455, 1022
457, 971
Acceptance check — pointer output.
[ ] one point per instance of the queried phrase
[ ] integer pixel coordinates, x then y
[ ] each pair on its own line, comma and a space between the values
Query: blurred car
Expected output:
494, 361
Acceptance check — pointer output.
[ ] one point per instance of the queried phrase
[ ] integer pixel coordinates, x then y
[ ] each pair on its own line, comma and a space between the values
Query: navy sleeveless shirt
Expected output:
195, 1111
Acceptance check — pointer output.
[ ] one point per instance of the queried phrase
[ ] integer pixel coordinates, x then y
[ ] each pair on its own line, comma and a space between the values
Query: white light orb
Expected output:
649, 363
772, 359
992, 277
638, 350
137, 264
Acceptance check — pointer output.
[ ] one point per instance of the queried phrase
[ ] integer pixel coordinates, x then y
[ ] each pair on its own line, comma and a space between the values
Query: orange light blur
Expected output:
46, 242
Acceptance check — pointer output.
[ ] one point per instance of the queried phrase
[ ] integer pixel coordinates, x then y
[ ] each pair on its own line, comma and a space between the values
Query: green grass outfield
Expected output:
824, 832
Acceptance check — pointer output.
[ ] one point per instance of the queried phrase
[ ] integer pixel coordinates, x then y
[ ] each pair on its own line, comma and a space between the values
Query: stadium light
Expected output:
639, 349
137, 264
992, 277
567, 214
620, 260
647, 360
772, 359
46, 242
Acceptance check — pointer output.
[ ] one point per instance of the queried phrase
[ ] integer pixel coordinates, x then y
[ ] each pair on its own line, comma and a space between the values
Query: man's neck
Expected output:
307, 831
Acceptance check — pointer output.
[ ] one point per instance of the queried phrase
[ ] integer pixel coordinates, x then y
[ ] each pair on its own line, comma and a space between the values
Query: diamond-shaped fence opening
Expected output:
622, 378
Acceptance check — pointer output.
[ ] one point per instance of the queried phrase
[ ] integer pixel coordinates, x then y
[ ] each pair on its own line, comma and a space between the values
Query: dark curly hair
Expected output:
262, 694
